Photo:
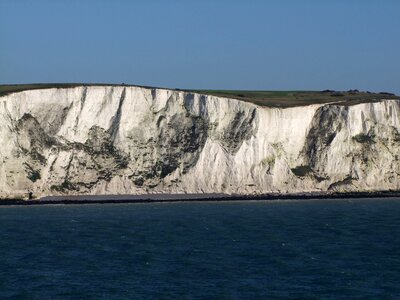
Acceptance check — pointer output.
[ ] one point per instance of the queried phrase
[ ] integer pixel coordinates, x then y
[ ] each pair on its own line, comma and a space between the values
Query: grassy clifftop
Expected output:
300, 98
263, 98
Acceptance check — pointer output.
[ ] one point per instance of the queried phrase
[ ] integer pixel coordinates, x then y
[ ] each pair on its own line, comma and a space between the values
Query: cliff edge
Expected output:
91, 140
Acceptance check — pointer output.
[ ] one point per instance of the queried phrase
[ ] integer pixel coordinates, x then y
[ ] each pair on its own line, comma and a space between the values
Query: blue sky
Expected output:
271, 45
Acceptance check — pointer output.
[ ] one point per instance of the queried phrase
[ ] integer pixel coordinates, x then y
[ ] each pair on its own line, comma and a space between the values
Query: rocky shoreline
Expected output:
158, 198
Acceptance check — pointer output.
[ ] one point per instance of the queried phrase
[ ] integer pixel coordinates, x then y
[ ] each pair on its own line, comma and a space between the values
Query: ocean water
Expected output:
326, 249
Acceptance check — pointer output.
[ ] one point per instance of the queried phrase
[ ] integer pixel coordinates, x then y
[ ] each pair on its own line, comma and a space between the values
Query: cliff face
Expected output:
132, 140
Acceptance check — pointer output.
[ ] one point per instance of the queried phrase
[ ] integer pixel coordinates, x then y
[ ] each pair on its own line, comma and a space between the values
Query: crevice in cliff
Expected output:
178, 140
83, 98
238, 130
365, 138
82, 103
153, 94
326, 124
96, 160
107, 98
345, 182
116, 120
55, 126
32, 173
32, 140
307, 171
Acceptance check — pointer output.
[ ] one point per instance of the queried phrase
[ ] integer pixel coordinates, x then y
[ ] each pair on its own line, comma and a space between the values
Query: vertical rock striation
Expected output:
134, 140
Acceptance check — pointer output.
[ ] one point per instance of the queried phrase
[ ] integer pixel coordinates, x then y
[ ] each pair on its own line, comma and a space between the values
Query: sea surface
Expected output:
320, 249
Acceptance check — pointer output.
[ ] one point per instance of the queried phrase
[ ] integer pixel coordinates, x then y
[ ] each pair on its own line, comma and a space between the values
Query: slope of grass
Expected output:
300, 98
263, 98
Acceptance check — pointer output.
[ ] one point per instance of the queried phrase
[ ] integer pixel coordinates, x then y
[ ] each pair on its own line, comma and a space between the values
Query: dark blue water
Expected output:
236, 250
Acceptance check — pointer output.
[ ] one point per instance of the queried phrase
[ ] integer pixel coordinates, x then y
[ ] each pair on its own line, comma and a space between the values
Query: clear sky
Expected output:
271, 45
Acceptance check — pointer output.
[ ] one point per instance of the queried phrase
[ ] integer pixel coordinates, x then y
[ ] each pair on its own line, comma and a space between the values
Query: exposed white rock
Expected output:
133, 140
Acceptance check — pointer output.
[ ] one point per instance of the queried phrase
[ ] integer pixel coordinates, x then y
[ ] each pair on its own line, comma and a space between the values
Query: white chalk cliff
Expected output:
134, 140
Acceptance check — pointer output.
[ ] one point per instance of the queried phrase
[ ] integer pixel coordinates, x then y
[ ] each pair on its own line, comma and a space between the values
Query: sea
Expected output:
290, 249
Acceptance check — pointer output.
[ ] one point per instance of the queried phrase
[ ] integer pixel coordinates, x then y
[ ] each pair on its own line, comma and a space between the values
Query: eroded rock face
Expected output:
371, 151
129, 140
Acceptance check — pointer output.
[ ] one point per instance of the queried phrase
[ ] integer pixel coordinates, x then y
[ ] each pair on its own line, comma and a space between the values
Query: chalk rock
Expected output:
134, 140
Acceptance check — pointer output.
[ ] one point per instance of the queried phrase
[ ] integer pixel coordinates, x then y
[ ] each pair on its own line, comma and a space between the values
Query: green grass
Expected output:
299, 98
263, 98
